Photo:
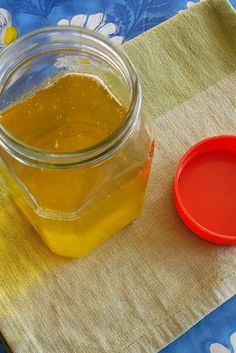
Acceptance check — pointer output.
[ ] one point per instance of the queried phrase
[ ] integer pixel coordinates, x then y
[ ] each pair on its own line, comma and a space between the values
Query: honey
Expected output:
70, 114
74, 209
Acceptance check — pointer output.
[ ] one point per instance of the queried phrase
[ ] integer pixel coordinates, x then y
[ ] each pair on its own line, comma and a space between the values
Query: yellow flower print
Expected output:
7, 32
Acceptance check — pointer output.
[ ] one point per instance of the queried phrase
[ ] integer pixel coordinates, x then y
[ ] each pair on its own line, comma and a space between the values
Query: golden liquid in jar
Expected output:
74, 210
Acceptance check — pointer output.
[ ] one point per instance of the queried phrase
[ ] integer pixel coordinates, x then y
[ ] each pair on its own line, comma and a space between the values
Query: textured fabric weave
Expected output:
155, 279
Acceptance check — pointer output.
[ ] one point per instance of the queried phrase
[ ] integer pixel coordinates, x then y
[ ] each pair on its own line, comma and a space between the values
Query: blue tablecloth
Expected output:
216, 333
122, 20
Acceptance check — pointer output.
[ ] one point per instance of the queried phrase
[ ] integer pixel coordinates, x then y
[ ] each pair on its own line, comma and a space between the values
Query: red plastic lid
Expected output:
205, 189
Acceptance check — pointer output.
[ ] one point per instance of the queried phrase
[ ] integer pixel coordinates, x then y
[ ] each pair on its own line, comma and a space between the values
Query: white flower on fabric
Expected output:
97, 23
72, 63
7, 32
219, 348
190, 4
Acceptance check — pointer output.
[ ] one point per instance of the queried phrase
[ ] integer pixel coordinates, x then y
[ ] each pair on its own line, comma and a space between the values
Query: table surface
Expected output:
122, 20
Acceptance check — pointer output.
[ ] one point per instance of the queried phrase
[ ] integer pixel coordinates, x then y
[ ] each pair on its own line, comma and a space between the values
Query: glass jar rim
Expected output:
94, 153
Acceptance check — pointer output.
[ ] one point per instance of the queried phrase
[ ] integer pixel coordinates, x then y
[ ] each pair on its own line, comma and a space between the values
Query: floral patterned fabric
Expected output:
121, 20
216, 333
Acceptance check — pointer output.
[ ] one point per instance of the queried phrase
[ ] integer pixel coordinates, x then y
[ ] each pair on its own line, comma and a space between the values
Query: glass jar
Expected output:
75, 200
